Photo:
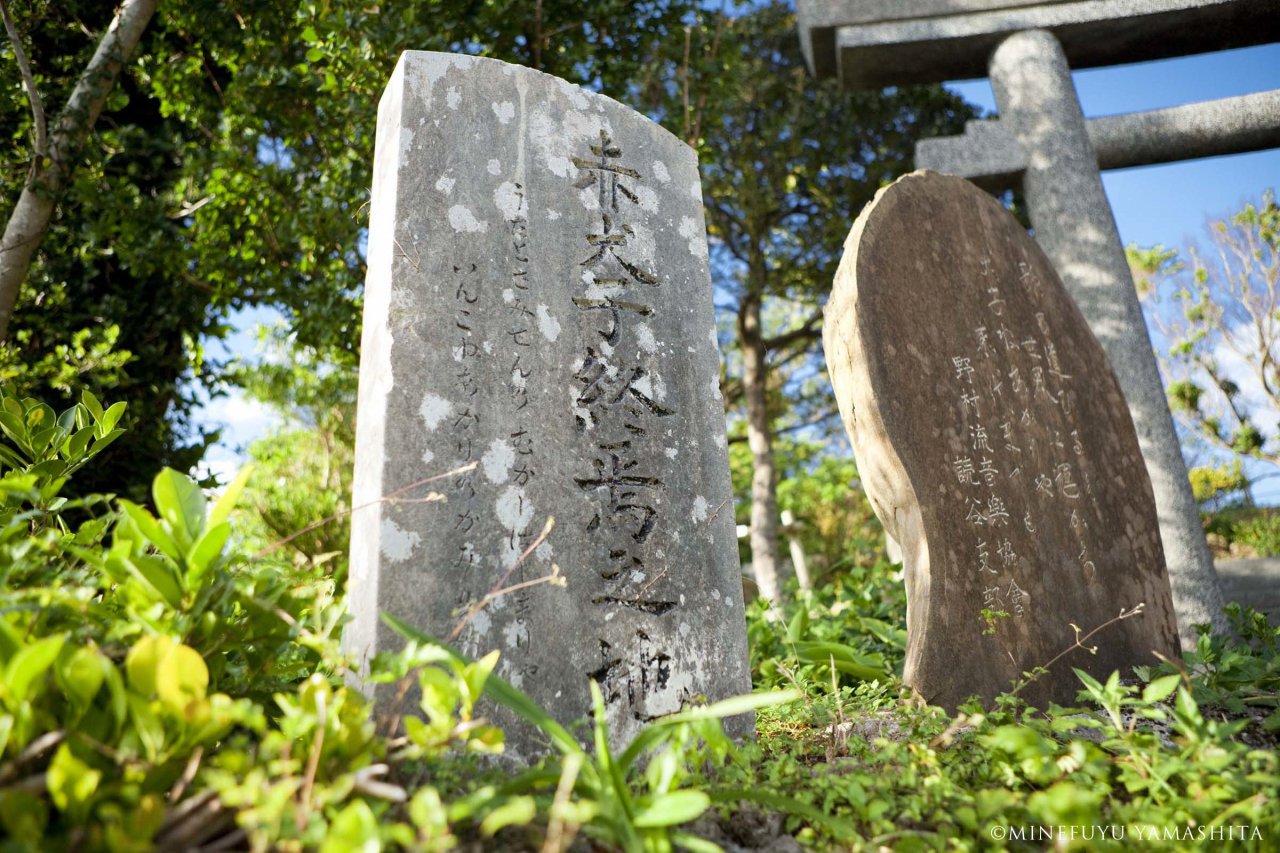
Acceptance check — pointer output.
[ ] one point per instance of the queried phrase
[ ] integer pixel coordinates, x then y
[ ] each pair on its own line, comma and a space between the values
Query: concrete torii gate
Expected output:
1043, 138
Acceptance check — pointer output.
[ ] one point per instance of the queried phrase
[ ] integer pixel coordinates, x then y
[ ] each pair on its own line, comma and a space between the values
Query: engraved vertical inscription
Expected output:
538, 309
616, 408
519, 332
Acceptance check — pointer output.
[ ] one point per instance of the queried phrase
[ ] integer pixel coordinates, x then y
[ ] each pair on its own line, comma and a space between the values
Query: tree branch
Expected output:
29, 221
807, 331
28, 83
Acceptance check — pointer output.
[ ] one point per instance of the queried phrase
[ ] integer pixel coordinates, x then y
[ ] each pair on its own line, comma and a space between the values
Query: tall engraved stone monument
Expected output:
539, 303
995, 445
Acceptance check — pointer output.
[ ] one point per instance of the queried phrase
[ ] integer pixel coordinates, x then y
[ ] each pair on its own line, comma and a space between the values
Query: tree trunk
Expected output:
51, 171
764, 498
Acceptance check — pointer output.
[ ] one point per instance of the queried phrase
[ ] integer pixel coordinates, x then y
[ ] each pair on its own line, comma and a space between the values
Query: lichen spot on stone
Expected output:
464, 221
505, 111
445, 184
660, 172
513, 509
396, 544
700, 507
433, 410
497, 461
648, 199
494, 167
453, 97
697, 240
644, 337
510, 201
547, 324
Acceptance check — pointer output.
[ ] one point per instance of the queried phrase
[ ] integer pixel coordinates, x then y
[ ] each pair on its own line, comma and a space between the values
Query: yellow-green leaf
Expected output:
142, 664
518, 810
182, 677
30, 664
1161, 688
674, 808
222, 509
181, 503
71, 782
208, 548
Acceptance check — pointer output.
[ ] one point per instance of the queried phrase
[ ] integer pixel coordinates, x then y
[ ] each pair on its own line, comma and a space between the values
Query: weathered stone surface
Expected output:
993, 441
1077, 231
892, 42
538, 303
989, 155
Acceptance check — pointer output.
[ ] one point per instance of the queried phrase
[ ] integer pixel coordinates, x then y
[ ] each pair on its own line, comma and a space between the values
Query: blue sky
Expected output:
1167, 204
1170, 203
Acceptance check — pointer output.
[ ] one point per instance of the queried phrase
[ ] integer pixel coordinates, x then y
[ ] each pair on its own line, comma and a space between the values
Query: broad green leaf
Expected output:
111, 417
30, 664
181, 503
41, 439
516, 811
440, 692
418, 732
1161, 688
1091, 684
354, 830
74, 447
82, 675
799, 625
91, 403
10, 457
671, 809
142, 664
222, 509
101, 443
206, 550
67, 420
160, 574
16, 430
150, 529
40, 415
70, 781
426, 810
181, 677
476, 673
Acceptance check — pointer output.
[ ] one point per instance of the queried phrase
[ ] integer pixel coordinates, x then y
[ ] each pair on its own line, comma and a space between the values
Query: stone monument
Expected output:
538, 305
1043, 141
994, 445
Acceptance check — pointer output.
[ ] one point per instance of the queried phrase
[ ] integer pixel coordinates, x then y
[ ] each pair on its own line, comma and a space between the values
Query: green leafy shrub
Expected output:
161, 689
157, 687
1260, 533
